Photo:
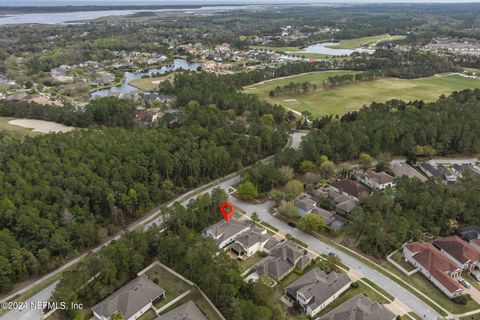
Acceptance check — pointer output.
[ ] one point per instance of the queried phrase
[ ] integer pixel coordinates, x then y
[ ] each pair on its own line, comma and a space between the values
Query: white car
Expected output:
464, 283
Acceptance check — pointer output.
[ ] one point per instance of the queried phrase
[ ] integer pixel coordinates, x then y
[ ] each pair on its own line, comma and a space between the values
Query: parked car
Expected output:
464, 283
331, 254
475, 276
292, 224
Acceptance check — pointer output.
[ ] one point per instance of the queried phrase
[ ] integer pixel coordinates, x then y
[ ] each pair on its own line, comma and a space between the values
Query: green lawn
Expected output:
350, 293
173, 286
147, 84
398, 258
422, 284
292, 51
17, 131
248, 263
381, 290
365, 41
149, 315
353, 96
200, 301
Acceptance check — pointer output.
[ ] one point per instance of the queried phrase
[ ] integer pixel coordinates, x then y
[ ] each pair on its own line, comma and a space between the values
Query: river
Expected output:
69, 17
178, 64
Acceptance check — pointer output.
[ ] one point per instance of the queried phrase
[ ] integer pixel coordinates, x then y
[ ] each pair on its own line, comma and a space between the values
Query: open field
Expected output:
150, 84
292, 52
40, 125
365, 41
17, 131
353, 96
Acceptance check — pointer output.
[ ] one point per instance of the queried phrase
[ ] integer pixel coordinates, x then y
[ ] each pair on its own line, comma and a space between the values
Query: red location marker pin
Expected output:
227, 210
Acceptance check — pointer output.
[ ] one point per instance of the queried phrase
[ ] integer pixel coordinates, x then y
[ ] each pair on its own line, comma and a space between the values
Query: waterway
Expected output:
125, 88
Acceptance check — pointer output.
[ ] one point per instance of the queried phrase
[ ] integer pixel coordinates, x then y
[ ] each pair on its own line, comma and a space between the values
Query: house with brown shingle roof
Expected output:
435, 266
377, 180
352, 189
459, 251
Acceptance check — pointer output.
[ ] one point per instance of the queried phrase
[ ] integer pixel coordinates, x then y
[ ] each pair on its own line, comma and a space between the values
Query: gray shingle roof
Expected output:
224, 230
249, 238
130, 298
187, 311
275, 267
317, 286
359, 308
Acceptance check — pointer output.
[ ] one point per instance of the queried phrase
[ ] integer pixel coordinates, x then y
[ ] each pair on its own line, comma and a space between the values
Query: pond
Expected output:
323, 48
125, 88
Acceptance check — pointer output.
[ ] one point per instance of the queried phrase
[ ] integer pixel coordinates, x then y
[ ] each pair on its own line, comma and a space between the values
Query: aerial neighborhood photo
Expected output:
239, 160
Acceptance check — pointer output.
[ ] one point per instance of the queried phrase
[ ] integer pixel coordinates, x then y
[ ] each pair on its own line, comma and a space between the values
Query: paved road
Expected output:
28, 313
355, 265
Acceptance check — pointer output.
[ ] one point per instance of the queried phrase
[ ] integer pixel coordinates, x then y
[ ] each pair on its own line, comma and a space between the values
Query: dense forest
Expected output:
449, 125
181, 248
108, 111
62, 193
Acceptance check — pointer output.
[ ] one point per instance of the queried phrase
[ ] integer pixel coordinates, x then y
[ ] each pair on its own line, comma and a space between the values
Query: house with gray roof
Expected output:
131, 300
224, 233
187, 311
439, 173
283, 258
304, 205
316, 289
359, 307
251, 242
403, 169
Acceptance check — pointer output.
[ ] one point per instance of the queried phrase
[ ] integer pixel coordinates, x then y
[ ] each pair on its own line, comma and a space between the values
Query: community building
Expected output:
460, 252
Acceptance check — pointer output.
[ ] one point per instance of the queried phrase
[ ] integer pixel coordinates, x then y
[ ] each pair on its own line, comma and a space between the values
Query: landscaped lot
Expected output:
173, 286
150, 84
353, 96
422, 284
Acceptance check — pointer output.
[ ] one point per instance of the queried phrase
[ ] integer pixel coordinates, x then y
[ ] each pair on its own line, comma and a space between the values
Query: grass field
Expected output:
292, 52
353, 96
150, 84
18, 131
365, 41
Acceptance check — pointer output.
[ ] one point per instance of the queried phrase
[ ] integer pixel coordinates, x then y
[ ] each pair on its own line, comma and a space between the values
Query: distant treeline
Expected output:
293, 88
107, 111
341, 79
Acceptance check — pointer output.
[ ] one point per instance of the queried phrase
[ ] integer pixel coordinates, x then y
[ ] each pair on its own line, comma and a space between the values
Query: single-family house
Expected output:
352, 189
186, 311
282, 260
332, 220
459, 251
466, 170
316, 289
403, 169
435, 266
343, 204
132, 300
224, 233
252, 241
472, 235
304, 205
441, 173
377, 180
359, 307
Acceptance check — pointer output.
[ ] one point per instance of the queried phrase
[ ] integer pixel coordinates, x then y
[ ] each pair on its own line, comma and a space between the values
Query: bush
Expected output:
462, 300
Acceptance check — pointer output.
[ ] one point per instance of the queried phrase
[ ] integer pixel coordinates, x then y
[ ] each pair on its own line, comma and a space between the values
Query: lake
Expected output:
323, 48
178, 64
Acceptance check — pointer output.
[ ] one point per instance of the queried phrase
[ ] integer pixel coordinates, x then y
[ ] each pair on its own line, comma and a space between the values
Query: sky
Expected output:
177, 2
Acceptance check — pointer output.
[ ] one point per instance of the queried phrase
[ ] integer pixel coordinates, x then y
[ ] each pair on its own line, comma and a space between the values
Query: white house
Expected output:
224, 233
377, 180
